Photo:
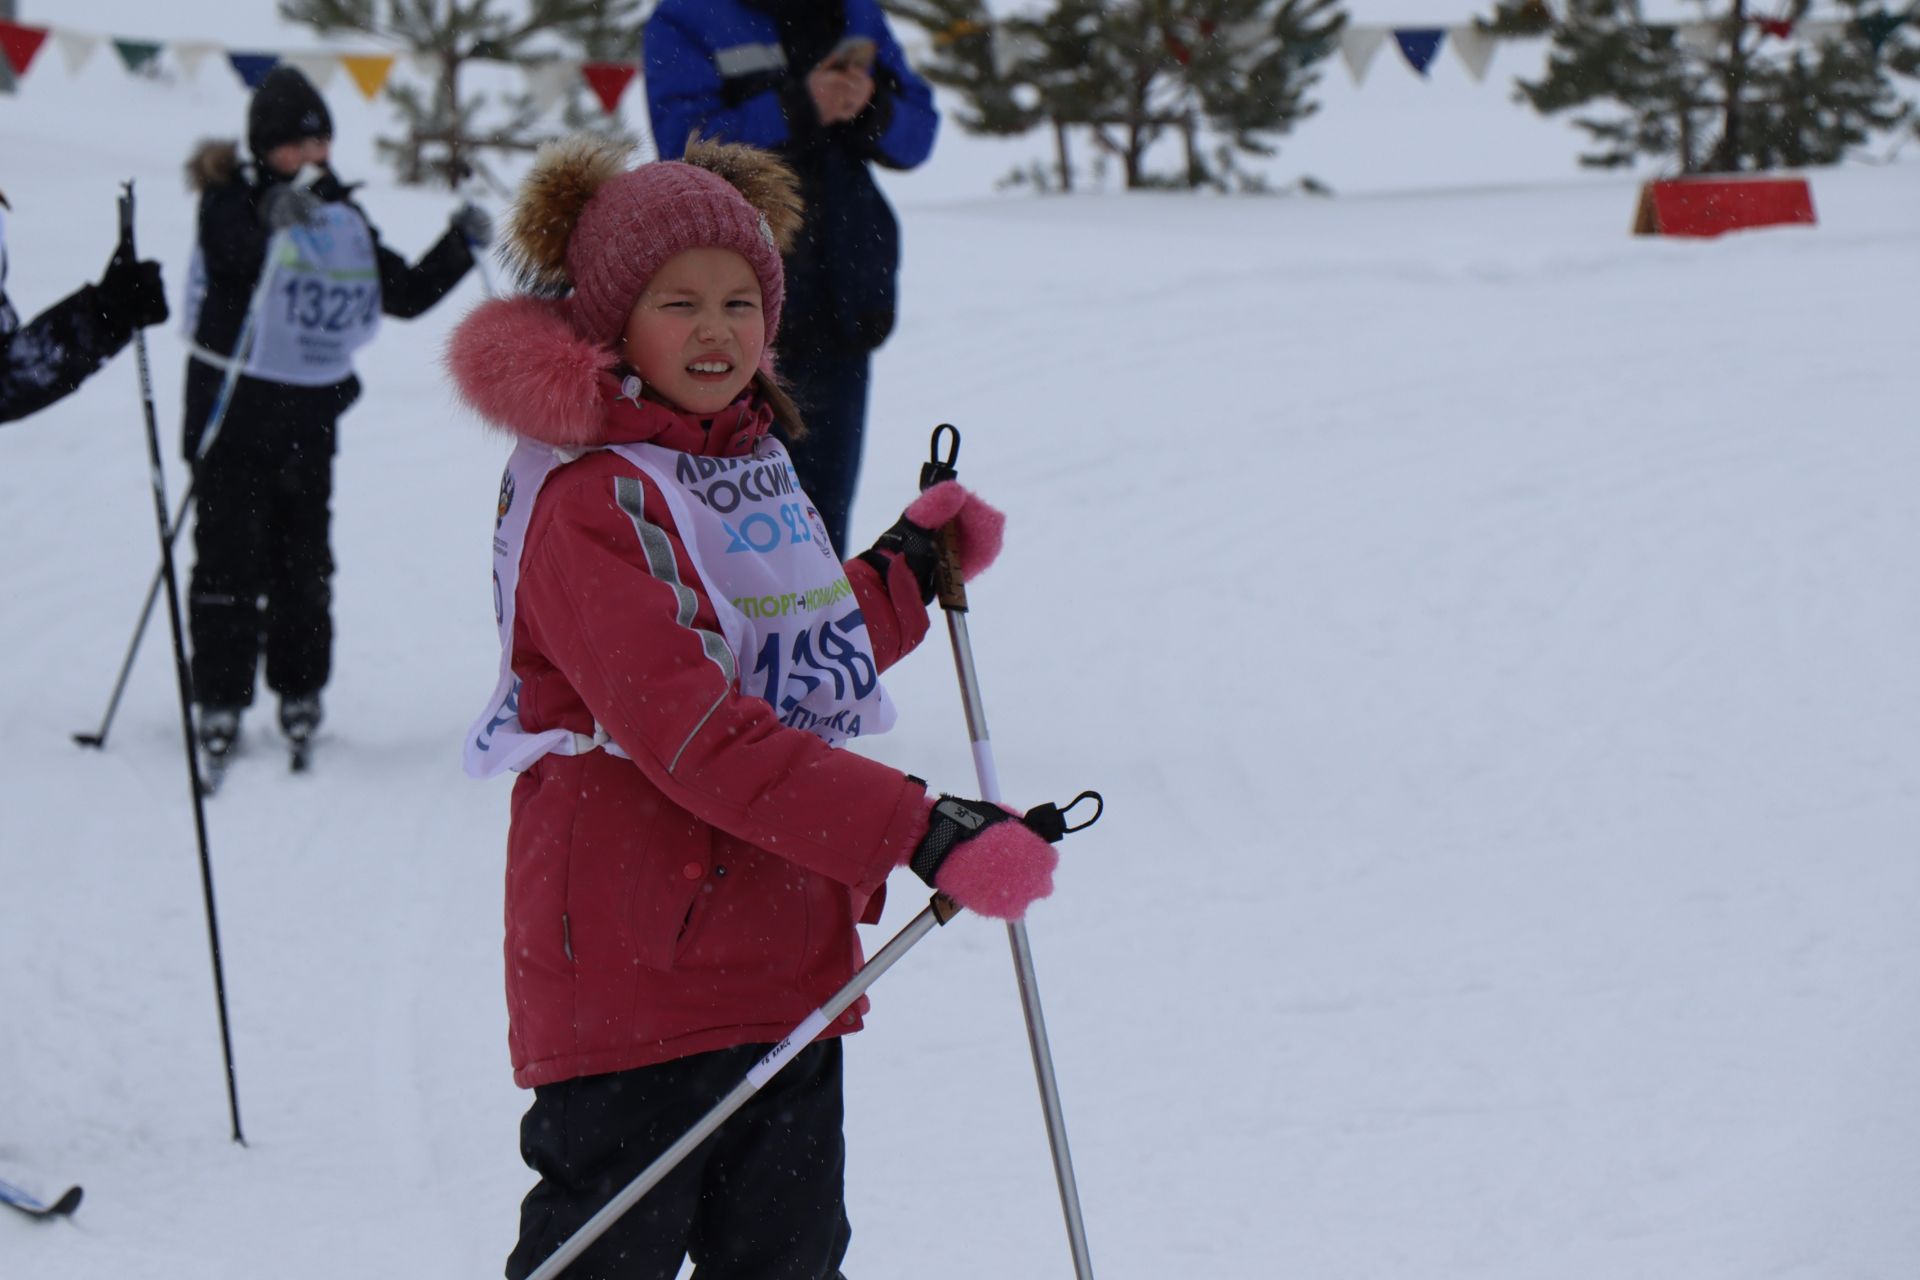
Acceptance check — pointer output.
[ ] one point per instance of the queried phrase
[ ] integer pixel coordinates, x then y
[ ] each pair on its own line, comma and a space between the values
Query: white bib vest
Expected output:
321, 304
792, 633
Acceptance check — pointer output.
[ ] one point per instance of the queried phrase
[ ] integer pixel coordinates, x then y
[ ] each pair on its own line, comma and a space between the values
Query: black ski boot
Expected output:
299, 720
218, 734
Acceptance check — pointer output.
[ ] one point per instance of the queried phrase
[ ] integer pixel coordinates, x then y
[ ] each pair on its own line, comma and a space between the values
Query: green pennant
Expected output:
136, 55
1877, 27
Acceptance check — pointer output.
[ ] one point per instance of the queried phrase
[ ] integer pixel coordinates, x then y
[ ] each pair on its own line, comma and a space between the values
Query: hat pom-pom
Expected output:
762, 177
564, 176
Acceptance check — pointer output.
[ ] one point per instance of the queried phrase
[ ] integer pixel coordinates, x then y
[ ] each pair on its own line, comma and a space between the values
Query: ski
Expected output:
31, 1205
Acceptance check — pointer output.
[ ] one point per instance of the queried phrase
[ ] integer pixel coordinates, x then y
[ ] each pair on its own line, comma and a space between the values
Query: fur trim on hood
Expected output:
214, 163
518, 364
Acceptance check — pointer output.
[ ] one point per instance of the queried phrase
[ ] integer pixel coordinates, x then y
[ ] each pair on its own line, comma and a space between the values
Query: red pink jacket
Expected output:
702, 893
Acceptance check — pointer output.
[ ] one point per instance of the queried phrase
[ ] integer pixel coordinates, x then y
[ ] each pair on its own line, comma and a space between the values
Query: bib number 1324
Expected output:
314, 304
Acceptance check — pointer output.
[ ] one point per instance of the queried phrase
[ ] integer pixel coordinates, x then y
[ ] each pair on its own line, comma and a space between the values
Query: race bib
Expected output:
792, 633
777, 584
322, 303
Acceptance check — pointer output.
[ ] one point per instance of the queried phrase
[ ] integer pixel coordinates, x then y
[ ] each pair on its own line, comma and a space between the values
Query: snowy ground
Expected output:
1494, 635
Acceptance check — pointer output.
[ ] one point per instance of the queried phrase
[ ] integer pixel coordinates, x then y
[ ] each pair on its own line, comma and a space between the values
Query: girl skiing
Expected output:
682, 653
263, 464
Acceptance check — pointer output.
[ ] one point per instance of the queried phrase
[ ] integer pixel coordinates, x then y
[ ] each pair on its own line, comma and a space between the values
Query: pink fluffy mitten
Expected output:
977, 531
984, 857
977, 528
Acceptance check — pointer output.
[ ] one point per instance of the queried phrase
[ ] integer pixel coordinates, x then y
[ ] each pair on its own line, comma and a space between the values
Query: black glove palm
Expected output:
131, 294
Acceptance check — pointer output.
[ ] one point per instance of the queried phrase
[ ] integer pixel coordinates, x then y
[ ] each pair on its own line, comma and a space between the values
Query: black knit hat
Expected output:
286, 108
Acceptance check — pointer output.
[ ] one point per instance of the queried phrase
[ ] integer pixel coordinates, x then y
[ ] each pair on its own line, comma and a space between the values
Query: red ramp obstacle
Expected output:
1712, 204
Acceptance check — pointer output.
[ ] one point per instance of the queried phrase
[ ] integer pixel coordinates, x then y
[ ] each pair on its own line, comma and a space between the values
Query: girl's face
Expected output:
697, 333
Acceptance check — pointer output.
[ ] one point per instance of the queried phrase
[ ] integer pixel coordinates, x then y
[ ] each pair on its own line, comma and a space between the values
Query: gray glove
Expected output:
289, 206
474, 225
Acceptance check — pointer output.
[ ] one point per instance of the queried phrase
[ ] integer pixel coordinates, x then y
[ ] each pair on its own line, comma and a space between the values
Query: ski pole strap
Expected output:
1049, 821
954, 821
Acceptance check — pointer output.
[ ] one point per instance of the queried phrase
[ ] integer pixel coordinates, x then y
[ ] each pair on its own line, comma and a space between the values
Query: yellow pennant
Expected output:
369, 71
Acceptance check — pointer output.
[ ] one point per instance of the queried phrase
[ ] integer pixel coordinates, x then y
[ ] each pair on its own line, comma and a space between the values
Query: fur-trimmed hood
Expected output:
214, 163
519, 364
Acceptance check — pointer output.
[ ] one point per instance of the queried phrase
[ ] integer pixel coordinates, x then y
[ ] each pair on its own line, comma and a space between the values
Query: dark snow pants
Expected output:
831, 391
759, 1200
263, 567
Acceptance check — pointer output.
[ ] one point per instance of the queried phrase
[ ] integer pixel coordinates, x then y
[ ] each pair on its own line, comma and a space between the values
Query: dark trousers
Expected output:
262, 570
759, 1200
831, 391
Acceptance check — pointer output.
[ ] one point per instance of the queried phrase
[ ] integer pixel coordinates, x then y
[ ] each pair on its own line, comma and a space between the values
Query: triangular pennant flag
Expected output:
1474, 48
316, 67
191, 53
609, 80
1778, 28
1876, 27
75, 48
1702, 38
136, 55
548, 82
1419, 45
369, 71
252, 68
1358, 45
20, 44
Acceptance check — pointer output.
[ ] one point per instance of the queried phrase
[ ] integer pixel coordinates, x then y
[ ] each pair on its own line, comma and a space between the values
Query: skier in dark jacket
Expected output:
52, 354
263, 466
824, 84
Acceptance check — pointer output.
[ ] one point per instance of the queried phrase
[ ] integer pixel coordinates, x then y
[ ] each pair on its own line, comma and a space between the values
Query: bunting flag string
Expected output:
549, 79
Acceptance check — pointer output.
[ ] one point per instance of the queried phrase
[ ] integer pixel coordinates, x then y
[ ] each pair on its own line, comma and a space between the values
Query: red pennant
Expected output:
609, 80
1778, 28
21, 44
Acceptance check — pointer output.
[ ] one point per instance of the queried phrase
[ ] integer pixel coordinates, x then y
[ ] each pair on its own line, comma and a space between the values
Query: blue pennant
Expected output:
253, 67
1420, 45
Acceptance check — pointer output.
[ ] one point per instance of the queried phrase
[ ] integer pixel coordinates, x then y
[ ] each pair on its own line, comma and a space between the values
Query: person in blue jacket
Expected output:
825, 85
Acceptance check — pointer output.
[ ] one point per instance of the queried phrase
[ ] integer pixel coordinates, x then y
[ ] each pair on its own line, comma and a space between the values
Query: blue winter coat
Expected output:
736, 70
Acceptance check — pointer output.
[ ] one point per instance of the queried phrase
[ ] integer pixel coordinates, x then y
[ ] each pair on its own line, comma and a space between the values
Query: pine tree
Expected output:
1729, 93
448, 131
1130, 72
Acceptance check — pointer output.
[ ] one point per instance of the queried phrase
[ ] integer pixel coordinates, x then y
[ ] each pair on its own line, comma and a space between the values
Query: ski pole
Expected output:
938, 911
242, 350
182, 676
953, 601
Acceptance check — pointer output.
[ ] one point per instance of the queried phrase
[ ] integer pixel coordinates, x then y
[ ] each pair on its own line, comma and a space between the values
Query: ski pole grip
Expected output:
126, 215
948, 584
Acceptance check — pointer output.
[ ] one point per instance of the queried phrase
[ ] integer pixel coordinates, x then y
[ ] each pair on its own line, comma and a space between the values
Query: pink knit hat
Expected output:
585, 222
